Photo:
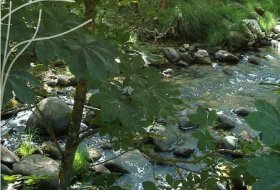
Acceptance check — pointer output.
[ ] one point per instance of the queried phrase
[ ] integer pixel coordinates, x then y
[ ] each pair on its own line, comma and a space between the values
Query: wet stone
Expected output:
242, 111
225, 123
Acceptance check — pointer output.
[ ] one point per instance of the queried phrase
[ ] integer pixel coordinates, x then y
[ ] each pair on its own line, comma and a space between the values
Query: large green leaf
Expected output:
93, 59
20, 82
267, 170
267, 120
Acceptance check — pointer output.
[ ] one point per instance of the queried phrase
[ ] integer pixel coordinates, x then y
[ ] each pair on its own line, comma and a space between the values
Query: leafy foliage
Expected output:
267, 120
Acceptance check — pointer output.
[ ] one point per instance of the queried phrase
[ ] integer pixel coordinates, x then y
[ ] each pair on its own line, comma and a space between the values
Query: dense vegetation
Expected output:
96, 54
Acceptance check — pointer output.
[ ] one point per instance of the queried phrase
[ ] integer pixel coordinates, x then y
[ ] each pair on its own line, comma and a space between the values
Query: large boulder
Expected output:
54, 114
38, 165
225, 56
252, 29
171, 54
8, 157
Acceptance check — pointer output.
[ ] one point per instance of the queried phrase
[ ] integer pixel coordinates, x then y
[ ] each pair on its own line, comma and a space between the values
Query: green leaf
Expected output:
267, 120
149, 185
267, 169
169, 179
19, 82
202, 117
278, 104
93, 59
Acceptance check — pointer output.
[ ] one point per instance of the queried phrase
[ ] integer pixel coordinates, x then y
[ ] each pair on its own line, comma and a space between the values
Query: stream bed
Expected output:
222, 88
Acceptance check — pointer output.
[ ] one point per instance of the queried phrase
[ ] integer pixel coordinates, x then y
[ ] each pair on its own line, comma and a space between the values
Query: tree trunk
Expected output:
72, 143
90, 13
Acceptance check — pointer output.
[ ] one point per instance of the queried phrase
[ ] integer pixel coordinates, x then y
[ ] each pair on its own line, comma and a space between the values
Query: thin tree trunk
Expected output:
72, 143
90, 13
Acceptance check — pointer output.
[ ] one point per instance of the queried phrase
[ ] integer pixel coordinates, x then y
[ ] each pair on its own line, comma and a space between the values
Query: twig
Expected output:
110, 159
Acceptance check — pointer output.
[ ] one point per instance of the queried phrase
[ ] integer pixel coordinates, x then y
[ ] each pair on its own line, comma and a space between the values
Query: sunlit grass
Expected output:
81, 162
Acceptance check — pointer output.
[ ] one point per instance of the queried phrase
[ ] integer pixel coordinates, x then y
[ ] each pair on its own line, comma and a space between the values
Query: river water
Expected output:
220, 87
223, 88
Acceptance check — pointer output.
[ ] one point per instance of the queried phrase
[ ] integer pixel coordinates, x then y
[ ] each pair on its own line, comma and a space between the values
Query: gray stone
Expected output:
171, 54
230, 142
6, 170
50, 149
225, 123
225, 56
132, 162
116, 167
55, 114
8, 157
184, 123
164, 137
202, 57
242, 111
183, 151
186, 56
253, 30
94, 154
38, 165
186, 46
62, 81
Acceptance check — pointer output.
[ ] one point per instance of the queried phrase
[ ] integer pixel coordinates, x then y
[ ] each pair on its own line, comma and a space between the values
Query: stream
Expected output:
222, 88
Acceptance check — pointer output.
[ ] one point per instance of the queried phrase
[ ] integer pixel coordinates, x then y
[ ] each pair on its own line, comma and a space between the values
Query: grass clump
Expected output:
81, 160
268, 22
27, 147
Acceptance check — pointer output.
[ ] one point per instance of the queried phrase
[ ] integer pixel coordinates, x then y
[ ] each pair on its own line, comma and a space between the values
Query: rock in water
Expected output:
225, 123
171, 54
202, 57
242, 111
54, 113
224, 56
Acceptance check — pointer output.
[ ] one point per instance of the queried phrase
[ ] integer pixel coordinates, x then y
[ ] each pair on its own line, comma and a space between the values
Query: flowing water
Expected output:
222, 88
